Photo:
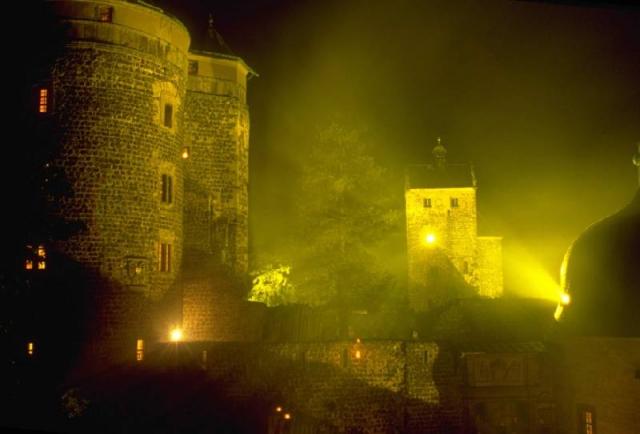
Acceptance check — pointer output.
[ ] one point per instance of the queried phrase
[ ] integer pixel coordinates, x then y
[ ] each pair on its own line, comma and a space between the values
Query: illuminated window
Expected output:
586, 420
105, 14
42, 265
168, 115
28, 264
139, 350
30, 348
165, 257
167, 189
43, 100
193, 67
454, 202
42, 252
426, 203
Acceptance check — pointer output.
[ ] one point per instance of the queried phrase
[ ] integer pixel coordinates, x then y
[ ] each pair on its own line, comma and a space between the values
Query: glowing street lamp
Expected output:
175, 335
430, 239
565, 299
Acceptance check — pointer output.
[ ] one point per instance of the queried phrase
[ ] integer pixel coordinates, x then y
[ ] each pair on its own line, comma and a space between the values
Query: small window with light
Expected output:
43, 100
586, 419
36, 258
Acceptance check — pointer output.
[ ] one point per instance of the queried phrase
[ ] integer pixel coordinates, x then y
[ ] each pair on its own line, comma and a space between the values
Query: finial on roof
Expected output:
440, 154
216, 43
211, 31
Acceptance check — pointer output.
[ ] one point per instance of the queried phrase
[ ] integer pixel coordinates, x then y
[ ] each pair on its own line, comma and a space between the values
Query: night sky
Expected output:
543, 99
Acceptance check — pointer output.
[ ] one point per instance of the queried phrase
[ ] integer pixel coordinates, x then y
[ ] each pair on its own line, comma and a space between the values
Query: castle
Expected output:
152, 139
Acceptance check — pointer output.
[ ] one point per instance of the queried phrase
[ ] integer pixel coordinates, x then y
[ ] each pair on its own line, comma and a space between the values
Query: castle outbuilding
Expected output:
447, 258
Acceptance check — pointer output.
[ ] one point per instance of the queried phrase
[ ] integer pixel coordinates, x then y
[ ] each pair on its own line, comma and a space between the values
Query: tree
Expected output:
344, 210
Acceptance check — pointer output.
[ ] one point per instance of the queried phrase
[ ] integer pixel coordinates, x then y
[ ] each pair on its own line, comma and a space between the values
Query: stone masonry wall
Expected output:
110, 86
217, 171
490, 279
345, 386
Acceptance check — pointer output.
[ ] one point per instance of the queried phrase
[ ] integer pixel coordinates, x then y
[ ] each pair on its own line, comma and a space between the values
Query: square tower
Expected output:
447, 258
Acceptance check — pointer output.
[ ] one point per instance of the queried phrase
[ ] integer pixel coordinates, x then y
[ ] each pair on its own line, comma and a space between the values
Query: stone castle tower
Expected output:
447, 258
153, 141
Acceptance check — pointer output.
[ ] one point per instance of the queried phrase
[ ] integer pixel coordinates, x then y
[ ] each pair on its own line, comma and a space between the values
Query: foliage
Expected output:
271, 286
344, 211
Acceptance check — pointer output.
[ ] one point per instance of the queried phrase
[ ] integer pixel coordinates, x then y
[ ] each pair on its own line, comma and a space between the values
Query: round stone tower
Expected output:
115, 97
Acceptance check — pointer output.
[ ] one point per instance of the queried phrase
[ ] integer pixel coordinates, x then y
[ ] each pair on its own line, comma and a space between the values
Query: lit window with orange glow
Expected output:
287, 416
139, 350
185, 153
587, 419
358, 354
28, 264
42, 265
42, 252
278, 409
43, 100
30, 348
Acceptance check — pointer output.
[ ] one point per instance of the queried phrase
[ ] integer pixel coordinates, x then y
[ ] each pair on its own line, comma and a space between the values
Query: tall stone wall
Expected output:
217, 170
123, 64
490, 278
343, 386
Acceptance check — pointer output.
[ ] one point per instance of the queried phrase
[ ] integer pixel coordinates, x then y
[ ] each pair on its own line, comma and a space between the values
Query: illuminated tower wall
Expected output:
216, 195
443, 247
117, 93
217, 170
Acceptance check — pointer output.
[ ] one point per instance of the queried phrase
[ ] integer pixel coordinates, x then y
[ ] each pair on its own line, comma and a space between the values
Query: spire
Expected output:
214, 42
440, 154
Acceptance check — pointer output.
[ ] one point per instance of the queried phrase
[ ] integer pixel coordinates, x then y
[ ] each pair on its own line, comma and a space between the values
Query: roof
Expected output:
445, 176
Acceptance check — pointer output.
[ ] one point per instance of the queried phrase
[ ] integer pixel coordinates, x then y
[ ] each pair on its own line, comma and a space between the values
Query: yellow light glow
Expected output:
185, 153
278, 409
42, 265
357, 340
558, 312
28, 264
430, 239
565, 298
287, 416
30, 347
175, 335
358, 355
42, 252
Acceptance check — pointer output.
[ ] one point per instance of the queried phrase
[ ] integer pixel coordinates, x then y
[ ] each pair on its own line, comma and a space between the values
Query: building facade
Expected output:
447, 258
